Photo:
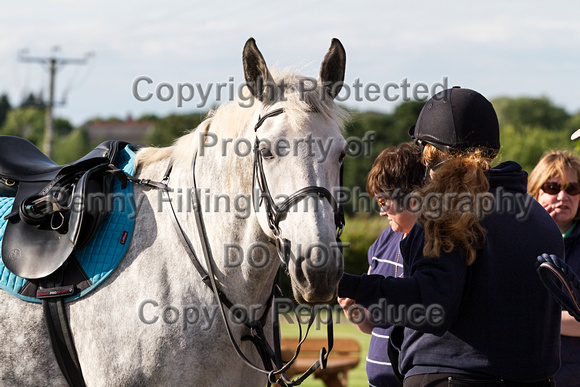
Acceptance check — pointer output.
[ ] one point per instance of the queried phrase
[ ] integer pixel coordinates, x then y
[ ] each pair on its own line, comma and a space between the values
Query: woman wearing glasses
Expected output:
476, 312
396, 172
554, 184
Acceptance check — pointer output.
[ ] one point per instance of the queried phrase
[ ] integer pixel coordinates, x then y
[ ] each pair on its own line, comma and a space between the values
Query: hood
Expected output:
509, 175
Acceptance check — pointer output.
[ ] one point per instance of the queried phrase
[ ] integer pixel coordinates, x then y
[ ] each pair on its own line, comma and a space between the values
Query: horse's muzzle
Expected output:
314, 278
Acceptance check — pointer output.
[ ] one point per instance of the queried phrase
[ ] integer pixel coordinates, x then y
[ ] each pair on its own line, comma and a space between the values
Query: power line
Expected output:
54, 64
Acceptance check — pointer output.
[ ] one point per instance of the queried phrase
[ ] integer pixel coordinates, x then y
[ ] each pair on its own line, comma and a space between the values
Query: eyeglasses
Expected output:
432, 167
554, 188
441, 147
386, 203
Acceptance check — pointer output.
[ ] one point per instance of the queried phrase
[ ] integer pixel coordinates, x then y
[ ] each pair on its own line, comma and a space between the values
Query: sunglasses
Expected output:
555, 188
432, 167
385, 203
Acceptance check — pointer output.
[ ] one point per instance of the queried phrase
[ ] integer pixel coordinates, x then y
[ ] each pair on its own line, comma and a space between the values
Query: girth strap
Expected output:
61, 338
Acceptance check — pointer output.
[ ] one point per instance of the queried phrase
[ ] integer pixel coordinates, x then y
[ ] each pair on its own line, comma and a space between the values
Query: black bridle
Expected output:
275, 212
274, 366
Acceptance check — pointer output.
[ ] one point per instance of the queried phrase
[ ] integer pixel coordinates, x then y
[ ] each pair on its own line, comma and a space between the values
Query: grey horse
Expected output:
153, 321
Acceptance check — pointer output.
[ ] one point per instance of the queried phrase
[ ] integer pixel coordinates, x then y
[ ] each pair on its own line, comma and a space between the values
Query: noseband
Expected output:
275, 213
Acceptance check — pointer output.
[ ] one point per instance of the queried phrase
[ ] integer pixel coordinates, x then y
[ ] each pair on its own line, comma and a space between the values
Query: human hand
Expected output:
345, 303
351, 310
550, 208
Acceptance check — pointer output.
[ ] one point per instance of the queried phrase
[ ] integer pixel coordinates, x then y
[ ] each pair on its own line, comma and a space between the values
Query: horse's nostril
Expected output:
299, 272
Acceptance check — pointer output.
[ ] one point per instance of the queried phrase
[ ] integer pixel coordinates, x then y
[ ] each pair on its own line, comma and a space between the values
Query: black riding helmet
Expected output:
458, 119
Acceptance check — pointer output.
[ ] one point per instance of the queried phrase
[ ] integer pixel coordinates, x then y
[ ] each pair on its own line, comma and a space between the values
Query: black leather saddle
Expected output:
57, 208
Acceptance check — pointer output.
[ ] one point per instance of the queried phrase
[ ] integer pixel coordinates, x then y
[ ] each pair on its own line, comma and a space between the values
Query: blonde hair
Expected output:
461, 176
553, 164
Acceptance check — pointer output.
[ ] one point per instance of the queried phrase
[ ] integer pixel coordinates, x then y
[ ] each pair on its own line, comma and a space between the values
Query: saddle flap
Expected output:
94, 194
34, 250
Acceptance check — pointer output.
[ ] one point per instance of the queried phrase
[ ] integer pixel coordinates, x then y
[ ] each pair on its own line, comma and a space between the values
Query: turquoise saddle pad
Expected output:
102, 255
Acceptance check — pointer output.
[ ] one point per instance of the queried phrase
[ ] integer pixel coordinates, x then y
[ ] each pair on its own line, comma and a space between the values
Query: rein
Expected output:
274, 213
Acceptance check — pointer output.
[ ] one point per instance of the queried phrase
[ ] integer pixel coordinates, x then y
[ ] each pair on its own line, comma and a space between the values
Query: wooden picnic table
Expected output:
344, 356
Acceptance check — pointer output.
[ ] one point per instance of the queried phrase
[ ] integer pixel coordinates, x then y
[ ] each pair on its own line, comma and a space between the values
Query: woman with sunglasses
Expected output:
477, 313
396, 172
554, 184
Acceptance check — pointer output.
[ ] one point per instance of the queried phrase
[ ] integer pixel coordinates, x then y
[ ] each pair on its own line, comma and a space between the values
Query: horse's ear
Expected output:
258, 77
332, 69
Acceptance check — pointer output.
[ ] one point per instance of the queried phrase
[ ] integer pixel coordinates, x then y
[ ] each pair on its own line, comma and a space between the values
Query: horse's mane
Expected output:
229, 120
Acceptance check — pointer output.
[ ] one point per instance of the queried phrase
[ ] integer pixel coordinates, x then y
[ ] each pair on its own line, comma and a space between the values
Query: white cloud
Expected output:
502, 48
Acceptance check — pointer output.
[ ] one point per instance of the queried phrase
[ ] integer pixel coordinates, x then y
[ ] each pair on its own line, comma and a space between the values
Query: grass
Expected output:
357, 377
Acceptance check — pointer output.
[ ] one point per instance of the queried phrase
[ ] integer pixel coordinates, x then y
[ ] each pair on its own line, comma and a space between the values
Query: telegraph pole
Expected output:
54, 64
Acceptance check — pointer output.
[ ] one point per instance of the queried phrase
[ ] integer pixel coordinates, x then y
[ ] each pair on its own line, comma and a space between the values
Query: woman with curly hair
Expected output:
554, 183
397, 171
475, 311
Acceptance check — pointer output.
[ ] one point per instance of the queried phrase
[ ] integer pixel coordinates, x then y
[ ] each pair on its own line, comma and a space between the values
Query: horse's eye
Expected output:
341, 157
266, 153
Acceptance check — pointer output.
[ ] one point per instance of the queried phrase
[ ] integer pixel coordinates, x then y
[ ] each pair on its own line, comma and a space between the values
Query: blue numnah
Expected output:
102, 255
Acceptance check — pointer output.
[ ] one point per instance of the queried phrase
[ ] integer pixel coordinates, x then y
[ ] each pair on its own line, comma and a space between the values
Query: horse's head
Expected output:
299, 150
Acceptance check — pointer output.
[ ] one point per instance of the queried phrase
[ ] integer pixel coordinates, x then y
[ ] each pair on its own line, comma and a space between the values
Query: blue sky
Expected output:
500, 48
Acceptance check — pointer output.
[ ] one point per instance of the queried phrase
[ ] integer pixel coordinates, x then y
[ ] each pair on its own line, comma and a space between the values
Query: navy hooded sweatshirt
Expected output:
491, 319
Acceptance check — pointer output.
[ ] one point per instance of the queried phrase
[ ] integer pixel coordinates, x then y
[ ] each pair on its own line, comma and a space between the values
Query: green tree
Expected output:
71, 147
573, 123
359, 131
359, 234
61, 127
169, 128
148, 117
387, 130
527, 145
404, 116
529, 127
526, 112
27, 122
32, 100
4, 108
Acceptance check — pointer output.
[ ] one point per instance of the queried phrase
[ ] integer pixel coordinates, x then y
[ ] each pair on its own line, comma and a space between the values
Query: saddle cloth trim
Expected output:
104, 253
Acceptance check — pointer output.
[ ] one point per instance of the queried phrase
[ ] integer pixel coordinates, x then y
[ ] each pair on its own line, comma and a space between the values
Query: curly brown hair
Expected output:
397, 167
461, 177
